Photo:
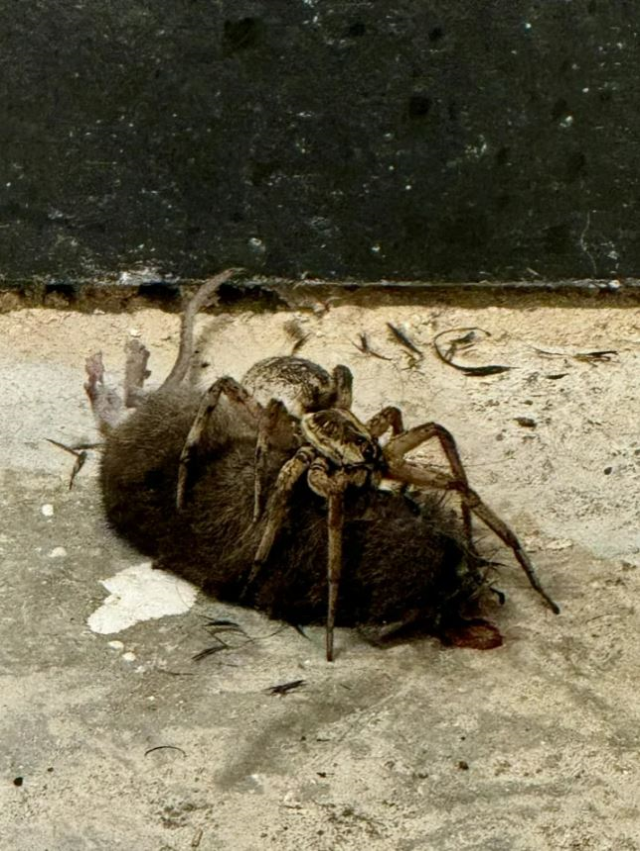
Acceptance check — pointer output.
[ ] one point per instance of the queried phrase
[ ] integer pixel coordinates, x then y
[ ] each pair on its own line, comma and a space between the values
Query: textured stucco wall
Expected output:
435, 140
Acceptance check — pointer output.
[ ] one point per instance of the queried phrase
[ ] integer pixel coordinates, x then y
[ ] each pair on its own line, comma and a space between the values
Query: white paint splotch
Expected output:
140, 593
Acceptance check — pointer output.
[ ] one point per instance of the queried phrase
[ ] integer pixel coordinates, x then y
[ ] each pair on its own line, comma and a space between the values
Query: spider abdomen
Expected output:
302, 385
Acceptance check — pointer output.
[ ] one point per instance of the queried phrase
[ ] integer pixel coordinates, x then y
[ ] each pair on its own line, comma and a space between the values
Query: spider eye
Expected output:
368, 450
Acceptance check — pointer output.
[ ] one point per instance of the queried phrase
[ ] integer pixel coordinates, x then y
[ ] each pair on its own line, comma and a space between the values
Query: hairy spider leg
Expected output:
332, 487
388, 418
403, 471
236, 394
289, 474
405, 441
343, 383
274, 422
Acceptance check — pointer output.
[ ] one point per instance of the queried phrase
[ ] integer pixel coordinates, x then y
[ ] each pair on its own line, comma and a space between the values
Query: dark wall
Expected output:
450, 140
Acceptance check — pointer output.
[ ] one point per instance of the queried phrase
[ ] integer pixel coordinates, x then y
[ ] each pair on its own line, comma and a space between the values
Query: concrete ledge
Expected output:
122, 741
136, 290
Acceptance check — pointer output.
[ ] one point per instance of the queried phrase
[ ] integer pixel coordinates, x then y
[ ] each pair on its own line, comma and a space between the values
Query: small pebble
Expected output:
291, 801
116, 645
58, 552
129, 657
559, 544
47, 509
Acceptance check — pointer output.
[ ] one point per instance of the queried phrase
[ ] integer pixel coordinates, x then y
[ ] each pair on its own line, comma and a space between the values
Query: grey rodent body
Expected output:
404, 560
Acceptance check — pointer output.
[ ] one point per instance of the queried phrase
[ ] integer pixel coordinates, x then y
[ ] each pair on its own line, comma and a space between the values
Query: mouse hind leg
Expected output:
135, 373
106, 404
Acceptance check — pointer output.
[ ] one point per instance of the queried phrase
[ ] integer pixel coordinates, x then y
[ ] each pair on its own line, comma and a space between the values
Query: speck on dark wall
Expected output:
410, 140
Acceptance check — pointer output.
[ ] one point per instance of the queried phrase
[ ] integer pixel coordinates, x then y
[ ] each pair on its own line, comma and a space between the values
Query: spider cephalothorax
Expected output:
341, 437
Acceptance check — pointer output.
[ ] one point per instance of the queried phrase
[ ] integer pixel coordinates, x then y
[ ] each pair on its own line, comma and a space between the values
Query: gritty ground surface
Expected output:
534, 745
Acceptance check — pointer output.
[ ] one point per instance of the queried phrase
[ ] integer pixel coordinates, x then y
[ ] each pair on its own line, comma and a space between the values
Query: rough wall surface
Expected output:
437, 140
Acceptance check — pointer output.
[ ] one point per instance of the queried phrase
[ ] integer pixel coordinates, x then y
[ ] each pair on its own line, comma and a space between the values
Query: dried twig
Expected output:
469, 338
598, 356
594, 357
285, 688
526, 422
219, 627
366, 349
294, 330
80, 453
404, 340
165, 747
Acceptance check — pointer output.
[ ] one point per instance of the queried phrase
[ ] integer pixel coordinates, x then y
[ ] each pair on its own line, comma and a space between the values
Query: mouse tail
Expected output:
204, 296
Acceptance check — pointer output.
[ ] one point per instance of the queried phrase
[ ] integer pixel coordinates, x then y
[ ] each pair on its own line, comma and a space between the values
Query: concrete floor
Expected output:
120, 740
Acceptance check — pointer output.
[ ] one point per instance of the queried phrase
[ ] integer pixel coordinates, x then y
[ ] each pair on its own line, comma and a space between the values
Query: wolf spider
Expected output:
336, 451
